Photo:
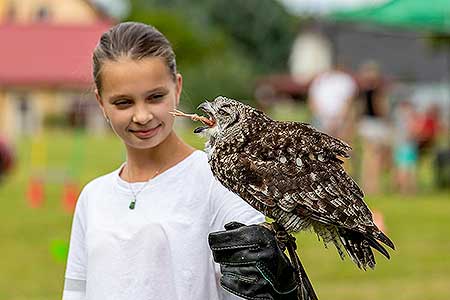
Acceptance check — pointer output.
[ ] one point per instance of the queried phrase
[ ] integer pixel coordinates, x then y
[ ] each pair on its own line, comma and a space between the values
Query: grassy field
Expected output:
419, 226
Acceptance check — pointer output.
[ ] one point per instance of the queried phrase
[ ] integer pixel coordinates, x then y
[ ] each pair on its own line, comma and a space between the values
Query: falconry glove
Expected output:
252, 264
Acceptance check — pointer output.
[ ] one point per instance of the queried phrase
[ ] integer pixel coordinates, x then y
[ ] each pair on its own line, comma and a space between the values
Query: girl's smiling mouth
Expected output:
146, 133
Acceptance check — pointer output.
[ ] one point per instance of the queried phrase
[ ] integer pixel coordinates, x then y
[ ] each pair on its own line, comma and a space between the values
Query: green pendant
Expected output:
132, 204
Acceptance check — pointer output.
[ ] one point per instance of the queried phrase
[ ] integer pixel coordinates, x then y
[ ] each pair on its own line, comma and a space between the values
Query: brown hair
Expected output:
133, 40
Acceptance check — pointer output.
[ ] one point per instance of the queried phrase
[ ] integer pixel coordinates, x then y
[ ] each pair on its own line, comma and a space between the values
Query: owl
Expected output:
293, 174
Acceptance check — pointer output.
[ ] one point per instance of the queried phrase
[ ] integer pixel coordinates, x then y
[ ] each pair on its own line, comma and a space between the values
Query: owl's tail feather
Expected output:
359, 247
383, 238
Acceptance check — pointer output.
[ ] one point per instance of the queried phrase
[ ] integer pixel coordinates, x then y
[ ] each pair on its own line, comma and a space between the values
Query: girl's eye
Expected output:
156, 97
122, 103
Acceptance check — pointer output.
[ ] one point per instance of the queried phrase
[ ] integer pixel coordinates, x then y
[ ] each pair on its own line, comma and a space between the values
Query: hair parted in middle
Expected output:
134, 40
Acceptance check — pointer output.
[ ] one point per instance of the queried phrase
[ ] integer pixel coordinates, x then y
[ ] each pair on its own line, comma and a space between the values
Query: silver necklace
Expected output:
133, 201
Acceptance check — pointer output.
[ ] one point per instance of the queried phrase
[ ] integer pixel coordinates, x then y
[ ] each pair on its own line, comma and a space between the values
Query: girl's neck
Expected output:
145, 164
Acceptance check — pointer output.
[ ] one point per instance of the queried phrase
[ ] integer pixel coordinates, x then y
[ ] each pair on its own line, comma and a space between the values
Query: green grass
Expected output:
418, 269
419, 226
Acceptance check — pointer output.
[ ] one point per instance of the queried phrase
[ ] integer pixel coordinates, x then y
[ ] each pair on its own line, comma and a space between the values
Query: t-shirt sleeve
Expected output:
74, 289
228, 207
75, 277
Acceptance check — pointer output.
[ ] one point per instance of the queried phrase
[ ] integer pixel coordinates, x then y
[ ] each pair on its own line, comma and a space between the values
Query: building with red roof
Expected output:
45, 63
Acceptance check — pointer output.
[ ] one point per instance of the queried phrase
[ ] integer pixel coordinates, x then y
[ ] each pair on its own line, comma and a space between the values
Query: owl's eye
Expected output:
223, 112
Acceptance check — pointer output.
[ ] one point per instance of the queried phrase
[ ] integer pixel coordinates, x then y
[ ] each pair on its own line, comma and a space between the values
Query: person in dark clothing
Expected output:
373, 128
6, 157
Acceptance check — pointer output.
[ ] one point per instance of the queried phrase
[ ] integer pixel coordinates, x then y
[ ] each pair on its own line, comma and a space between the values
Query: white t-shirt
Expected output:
159, 250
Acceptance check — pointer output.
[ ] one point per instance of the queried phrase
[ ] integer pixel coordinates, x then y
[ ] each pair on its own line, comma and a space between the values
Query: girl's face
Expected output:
137, 96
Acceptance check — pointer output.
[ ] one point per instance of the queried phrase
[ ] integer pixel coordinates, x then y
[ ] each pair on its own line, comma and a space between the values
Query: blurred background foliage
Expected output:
219, 51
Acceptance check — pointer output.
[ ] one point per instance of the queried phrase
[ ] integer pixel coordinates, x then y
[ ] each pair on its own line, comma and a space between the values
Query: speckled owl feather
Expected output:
293, 174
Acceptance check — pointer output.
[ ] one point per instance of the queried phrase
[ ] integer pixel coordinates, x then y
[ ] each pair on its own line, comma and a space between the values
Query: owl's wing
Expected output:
306, 138
320, 189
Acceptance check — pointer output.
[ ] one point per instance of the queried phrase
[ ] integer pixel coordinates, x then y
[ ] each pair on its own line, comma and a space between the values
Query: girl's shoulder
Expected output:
196, 165
101, 181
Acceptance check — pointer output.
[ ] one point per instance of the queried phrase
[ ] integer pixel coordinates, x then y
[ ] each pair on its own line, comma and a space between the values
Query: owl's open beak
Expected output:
209, 122
201, 129
208, 109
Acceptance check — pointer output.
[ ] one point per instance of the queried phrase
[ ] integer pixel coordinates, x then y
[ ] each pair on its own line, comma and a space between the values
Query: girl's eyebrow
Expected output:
119, 96
160, 89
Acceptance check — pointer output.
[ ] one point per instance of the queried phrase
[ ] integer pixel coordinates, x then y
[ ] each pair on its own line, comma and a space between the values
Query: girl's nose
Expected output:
142, 116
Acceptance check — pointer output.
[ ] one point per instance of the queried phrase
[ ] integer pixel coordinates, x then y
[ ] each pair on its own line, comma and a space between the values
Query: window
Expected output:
11, 13
42, 14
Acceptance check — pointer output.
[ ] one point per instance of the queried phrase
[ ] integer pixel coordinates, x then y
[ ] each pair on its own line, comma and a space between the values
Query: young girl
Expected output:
141, 232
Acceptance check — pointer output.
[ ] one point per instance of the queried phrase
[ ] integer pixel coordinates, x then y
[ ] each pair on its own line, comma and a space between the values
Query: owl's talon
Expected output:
267, 225
282, 236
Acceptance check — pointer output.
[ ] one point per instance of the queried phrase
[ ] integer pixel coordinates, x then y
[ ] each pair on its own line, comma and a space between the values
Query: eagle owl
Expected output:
293, 174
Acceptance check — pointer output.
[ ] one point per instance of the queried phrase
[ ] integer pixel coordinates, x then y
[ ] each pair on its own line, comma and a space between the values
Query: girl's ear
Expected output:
179, 88
100, 102
98, 98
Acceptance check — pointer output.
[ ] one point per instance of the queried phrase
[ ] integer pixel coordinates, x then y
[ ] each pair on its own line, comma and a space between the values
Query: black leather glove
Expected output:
252, 264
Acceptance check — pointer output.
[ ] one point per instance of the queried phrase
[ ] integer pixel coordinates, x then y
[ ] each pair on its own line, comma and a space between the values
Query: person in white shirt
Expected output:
141, 232
331, 96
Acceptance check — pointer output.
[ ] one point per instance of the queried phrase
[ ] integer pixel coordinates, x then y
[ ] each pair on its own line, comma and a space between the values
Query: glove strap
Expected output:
305, 290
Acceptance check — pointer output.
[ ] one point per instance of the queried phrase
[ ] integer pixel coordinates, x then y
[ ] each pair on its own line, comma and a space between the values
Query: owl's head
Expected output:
228, 118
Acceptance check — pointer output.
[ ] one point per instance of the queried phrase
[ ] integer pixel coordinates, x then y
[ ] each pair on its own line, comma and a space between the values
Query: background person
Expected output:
405, 147
373, 126
330, 98
428, 128
7, 157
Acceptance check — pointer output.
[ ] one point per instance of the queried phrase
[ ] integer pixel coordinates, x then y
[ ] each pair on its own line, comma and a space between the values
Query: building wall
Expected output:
54, 11
17, 119
355, 45
7, 115
20, 114
2, 9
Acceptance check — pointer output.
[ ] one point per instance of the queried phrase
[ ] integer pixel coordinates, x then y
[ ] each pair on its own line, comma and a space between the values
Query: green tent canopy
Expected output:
423, 15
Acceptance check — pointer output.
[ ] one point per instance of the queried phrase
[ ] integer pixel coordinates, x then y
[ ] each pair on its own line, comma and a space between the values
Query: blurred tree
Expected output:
440, 40
262, 28
192, 42
227, 75
220, 53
